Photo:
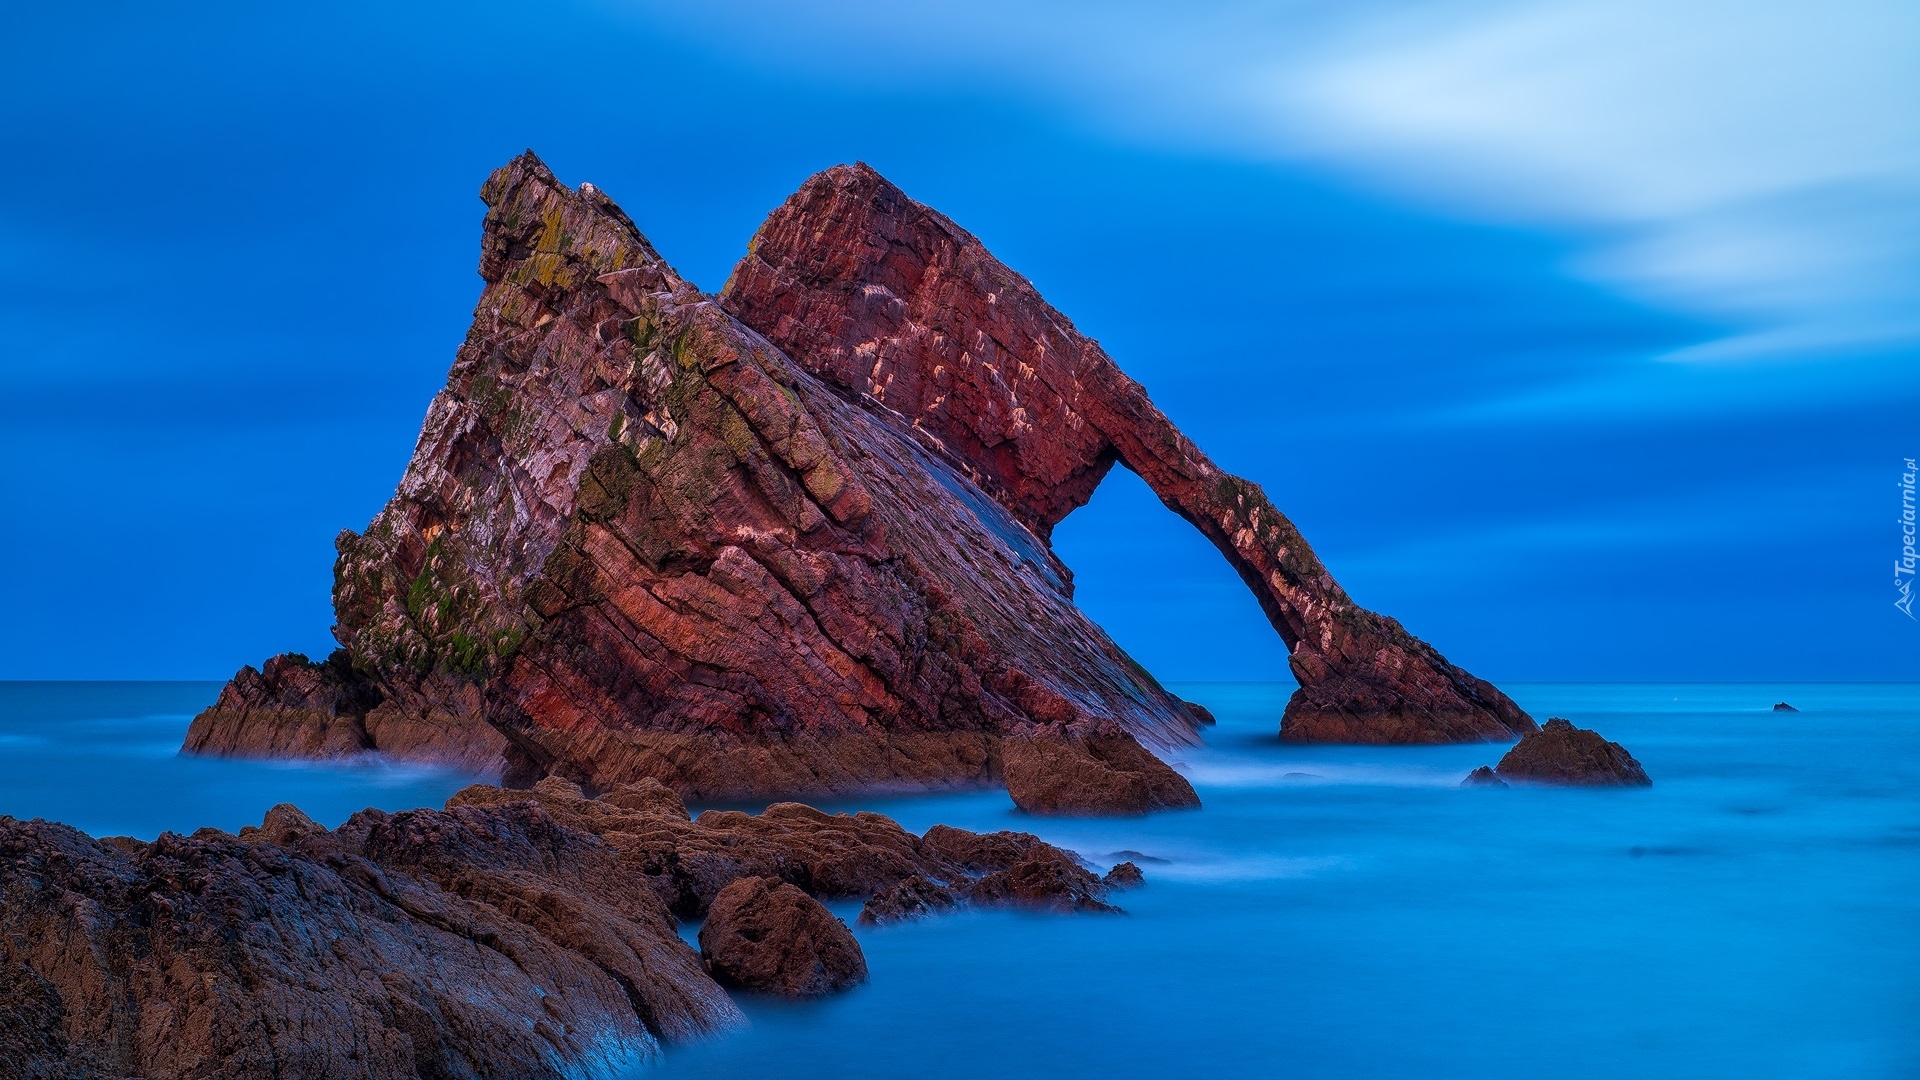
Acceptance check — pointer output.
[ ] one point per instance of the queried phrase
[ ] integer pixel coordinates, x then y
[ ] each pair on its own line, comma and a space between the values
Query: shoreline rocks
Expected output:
1560, 753
511, 934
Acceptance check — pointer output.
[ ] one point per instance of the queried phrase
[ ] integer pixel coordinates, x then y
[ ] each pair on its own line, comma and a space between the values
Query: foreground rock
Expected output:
765, 935
1094, 769
1560, 753
513, 934
792, 540
479, 943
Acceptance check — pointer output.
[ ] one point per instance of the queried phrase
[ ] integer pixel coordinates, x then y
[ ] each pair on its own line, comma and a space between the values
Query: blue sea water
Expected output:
1331, 912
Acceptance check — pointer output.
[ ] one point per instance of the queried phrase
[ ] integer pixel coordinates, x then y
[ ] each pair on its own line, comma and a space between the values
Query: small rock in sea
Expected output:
1781, 706
1560, 753
1130, 855
1124, 876
766, 935
1301, 776
1483, 776
1200, 712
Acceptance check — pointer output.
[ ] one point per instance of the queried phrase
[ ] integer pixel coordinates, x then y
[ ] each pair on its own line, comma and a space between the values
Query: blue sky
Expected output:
1581, 337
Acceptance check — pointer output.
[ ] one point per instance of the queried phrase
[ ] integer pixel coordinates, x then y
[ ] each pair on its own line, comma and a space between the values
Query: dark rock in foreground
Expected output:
478, 943
1094, 769
1784, 707
765, 935
1484, 776
510, 935
790, 540
1560, 753
1124, 876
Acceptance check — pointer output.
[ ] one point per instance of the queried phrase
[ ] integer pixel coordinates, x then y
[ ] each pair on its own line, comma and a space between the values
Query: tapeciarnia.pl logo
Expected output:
1903, 566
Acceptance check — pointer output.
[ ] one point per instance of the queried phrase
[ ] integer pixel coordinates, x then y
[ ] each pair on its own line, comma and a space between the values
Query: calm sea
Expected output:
1332, 912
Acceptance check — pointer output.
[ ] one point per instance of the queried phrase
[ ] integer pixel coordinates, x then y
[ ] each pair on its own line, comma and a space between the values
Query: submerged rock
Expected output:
790, 540
1484, 776
763, 934
1560, 753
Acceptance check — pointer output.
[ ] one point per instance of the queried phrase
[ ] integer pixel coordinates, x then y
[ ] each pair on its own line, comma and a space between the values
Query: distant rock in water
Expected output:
1560, 753
1201, 713
514, 934
765, 935
793, 539
1784, 707
1484, 776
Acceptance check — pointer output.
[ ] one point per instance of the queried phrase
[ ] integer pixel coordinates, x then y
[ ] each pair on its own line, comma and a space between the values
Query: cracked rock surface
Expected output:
791, 540
514, 934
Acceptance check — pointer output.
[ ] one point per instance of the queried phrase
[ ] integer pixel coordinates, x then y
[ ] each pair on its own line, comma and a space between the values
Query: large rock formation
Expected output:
511, 935
639, 539
889, 300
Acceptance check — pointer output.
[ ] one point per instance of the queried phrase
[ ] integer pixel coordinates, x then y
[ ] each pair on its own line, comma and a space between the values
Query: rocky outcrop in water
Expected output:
791, 540
765, 935
1560, 753
1484, 776
512, 934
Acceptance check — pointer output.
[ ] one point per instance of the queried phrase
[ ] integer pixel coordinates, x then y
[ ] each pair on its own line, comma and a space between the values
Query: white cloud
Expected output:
1757, 162
1752, 161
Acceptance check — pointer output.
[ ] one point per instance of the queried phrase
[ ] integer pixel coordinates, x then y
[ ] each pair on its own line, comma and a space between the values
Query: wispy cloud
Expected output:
1755, 162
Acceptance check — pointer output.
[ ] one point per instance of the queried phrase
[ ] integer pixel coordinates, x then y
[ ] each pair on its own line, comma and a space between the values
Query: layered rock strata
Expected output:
890, 301
1560, 753
511, 935
636, 540
793, 540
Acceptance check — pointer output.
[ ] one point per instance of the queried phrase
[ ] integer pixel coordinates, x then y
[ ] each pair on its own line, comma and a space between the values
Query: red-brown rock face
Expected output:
887, 299
638, 539
765, 935
513, 935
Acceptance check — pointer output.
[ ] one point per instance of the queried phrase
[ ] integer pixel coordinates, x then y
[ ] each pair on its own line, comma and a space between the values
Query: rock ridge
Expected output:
513, 934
